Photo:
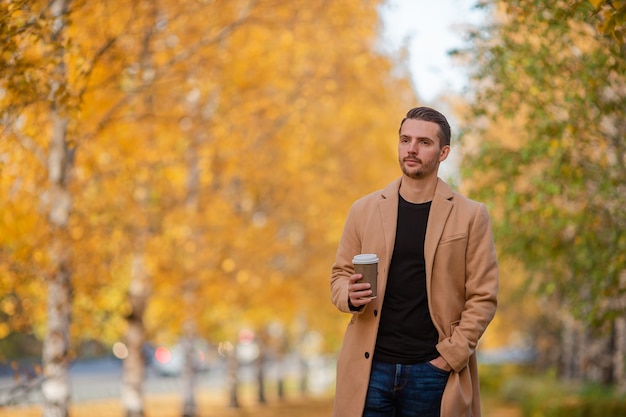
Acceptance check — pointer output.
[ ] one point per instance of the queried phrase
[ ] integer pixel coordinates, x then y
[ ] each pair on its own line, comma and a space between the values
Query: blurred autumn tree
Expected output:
550, 95
211, 151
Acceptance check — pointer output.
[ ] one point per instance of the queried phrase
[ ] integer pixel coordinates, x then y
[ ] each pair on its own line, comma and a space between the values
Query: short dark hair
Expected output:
431, 115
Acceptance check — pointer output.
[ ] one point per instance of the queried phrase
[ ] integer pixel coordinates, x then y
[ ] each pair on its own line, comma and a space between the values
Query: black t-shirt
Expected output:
406, 333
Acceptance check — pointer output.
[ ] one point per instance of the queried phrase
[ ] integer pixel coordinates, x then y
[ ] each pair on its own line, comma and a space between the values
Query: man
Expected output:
411, 350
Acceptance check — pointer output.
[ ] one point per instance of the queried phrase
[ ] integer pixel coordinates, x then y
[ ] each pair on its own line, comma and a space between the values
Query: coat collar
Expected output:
439, 212
443, 190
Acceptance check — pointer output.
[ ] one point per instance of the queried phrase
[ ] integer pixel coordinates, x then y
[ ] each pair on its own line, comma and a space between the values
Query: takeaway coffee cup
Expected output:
367, 265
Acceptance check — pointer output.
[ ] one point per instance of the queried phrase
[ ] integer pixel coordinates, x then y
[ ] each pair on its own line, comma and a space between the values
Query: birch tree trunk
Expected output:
260, 365
569, 352
232, 377
190, 286
619, 353
188, 377
140, 281
202, 111
56, 344
134, 368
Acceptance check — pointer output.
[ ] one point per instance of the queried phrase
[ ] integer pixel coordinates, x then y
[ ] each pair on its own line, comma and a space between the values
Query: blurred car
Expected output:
170, 360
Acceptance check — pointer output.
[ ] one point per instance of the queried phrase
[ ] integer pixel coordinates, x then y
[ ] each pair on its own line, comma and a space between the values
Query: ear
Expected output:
443, 153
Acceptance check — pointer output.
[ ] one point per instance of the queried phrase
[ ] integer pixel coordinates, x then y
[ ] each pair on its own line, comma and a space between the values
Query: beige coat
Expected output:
461, 281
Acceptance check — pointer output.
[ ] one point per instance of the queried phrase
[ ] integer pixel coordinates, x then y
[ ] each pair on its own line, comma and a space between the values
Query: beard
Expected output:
422, 170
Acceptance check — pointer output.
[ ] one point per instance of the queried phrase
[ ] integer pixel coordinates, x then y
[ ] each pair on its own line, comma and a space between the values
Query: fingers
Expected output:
441, 363
359, 292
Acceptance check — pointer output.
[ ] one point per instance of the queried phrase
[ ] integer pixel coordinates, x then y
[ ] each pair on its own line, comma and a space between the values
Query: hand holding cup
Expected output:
362, 285
359, 292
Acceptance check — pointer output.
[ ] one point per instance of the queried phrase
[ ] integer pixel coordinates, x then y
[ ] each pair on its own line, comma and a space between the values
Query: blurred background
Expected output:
174, 178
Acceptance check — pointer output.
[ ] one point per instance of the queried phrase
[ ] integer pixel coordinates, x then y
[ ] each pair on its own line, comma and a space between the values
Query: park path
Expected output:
210, 406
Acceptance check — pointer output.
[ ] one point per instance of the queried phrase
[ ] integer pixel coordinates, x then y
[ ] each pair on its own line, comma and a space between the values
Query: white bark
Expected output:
188, 377
141, 282
56, 345
232, 378
133, 370
190, 287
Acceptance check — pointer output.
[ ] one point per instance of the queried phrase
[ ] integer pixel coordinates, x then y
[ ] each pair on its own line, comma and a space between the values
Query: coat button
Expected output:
367, 355
375, 313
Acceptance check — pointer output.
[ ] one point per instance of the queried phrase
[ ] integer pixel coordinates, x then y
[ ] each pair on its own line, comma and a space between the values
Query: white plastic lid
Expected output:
365, 258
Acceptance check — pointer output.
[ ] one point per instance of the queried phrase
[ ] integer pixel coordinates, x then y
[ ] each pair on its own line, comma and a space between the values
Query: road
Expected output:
101, 378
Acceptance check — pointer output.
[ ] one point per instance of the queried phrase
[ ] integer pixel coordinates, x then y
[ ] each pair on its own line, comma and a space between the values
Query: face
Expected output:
419, 152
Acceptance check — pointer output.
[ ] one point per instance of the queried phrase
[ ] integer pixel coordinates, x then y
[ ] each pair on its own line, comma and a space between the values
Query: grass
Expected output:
495, 407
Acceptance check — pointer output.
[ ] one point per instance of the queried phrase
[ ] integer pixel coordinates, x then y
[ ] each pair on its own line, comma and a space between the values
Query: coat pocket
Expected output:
452, 238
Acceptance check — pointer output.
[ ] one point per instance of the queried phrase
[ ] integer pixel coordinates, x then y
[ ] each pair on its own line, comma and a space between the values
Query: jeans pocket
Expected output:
438, 370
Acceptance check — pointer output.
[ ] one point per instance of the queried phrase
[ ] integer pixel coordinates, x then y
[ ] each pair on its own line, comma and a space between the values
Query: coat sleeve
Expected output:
481, 287
349, 245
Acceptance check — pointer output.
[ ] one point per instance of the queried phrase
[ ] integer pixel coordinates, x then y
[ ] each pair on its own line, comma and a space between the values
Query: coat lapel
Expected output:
439, 212
389, 216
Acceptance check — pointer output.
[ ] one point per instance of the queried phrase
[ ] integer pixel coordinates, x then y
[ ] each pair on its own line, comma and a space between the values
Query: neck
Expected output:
418, 191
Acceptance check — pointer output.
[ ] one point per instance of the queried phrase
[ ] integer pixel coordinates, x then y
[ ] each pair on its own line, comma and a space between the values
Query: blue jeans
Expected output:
405, 390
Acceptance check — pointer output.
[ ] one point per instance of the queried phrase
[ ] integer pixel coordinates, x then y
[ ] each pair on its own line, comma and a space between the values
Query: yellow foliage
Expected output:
223, 144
